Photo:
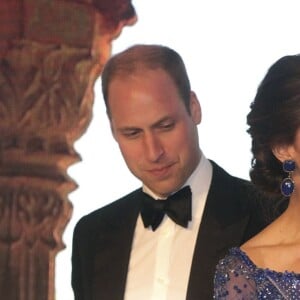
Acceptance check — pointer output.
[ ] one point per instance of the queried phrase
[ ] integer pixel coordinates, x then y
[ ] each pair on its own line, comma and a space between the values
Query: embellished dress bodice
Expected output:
238, 278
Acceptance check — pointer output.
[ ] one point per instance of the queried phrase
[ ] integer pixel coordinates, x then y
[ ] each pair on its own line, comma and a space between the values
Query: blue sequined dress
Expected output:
238, 278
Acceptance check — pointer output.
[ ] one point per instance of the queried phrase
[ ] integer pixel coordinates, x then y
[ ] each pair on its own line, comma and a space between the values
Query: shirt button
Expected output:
162, 281
166, 233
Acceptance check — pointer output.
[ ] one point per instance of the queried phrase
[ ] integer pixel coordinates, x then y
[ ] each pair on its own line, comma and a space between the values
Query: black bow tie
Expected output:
178, 207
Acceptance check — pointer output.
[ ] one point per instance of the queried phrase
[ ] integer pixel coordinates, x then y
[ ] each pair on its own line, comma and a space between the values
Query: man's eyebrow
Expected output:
128, 128
155, 124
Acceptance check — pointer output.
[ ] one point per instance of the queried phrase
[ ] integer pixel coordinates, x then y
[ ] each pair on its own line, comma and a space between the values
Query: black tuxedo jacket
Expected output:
102, 240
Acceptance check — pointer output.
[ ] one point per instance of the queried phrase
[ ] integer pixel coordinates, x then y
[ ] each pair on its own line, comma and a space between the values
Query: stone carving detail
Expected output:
51, 52
46, 99
42, 88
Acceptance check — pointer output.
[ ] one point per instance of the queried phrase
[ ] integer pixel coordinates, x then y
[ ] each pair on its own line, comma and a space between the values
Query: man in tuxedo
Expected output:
162, 241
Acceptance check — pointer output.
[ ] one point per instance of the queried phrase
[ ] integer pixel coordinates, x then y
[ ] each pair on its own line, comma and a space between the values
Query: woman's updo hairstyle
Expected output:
273, 120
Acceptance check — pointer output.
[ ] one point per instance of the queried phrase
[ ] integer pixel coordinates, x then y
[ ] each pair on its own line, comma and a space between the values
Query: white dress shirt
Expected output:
160, 261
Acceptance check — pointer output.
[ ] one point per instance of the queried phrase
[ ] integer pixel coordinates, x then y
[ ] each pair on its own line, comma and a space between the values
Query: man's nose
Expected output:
153, 147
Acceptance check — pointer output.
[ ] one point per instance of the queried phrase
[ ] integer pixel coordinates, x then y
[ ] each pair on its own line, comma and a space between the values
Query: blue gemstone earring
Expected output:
287, 185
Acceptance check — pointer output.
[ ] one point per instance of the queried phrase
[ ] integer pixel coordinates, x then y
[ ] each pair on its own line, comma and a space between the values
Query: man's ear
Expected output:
195, 108
283, 152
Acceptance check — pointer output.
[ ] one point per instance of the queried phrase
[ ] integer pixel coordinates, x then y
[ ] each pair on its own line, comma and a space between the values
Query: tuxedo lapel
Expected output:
111, 264
222, 226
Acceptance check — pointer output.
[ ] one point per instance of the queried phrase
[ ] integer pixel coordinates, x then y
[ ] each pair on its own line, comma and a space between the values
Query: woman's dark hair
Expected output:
274, 120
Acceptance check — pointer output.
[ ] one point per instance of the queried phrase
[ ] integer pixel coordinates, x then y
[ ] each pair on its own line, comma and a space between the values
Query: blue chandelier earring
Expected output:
287, 185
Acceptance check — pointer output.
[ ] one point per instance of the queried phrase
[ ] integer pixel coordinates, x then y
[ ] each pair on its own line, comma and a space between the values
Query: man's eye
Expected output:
167, 126
131, 133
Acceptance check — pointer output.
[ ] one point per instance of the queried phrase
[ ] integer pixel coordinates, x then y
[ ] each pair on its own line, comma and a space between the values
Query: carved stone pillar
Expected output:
51, 54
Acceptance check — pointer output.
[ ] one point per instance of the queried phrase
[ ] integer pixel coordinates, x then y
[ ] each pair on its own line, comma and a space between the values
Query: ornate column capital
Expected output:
51, 52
